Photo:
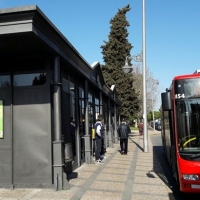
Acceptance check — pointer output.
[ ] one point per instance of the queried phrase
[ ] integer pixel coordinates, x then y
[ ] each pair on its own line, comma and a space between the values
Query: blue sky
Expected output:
172, 30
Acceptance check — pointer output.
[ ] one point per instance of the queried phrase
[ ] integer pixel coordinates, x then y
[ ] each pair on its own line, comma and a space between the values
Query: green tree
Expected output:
157, 115
114, 53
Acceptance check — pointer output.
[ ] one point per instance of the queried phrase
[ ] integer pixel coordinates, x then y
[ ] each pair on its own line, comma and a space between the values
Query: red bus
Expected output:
181, 130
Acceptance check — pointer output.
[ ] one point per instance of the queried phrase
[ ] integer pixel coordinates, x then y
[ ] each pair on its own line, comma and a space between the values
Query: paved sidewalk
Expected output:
136, 176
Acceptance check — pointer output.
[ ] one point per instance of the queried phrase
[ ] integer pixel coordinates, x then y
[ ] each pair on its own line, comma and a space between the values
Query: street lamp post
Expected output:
145, 140
128, 68
153, 115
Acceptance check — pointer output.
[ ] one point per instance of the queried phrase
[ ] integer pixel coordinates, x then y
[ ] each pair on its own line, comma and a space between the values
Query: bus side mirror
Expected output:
166, 101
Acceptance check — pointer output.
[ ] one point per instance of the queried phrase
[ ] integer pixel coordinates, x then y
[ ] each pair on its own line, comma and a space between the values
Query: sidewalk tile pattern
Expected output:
135, 176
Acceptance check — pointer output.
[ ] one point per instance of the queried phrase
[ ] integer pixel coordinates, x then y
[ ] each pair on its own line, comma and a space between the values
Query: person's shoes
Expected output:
104, 157
99, 161
122, 152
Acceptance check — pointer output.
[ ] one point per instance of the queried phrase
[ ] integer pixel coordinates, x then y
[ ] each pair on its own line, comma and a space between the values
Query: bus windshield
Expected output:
188, 125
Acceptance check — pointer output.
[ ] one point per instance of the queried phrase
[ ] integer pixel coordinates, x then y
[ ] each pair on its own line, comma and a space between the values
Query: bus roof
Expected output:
196, 74
186, 76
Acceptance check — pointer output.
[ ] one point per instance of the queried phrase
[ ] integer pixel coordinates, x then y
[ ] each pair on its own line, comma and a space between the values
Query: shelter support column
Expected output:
87, 137
102, 113
115, 124
110, 139
77, 120
119, 119
60, 180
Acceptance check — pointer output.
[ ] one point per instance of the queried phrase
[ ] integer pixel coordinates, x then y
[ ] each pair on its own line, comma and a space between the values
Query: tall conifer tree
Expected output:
114, 53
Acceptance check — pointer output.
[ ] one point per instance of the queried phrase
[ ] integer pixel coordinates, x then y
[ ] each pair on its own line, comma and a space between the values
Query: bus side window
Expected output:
196, 89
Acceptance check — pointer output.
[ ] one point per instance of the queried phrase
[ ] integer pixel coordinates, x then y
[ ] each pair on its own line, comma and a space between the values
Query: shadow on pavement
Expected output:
132, 134
165, 174
136, 144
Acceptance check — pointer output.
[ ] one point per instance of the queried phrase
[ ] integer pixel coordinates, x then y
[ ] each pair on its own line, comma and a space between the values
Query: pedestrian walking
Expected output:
98, 137
123, 131
141, 128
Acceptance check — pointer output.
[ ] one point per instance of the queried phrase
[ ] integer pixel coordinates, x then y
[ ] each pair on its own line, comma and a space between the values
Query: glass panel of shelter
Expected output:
29, 79
105, 113
5, 81
72, 117
94, 111
26, 79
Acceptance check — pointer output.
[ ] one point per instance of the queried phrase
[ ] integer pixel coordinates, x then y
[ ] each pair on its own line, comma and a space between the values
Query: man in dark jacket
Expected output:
123, 131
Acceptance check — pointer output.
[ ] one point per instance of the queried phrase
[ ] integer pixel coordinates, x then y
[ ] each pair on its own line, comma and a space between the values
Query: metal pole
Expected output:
87, 137
144, 79
77, 120
115, 124
58, 150
110, 137
153, 115
57, 101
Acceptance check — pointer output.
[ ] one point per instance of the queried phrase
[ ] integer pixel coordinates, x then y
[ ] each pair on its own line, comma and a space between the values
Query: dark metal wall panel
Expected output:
32, 136
6, 142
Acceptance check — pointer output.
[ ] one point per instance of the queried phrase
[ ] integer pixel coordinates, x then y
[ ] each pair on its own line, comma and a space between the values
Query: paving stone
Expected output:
112, 177
147, 197
98, 195
17, 193
149, 189
51, 194
77, 182
115, 171
104, 185
149, 180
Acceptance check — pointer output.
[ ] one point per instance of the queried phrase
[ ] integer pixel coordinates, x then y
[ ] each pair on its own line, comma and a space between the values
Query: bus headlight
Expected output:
190, 177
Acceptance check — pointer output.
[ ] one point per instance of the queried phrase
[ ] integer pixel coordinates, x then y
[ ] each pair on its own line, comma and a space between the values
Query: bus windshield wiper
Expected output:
195, 155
